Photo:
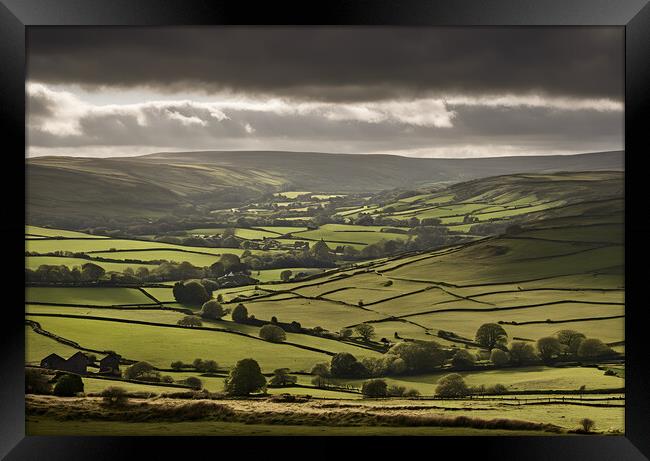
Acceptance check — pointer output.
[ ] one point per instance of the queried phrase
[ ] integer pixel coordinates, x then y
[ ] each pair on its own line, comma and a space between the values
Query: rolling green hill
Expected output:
154, 185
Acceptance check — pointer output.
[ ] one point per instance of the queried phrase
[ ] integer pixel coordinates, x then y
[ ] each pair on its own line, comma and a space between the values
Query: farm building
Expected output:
53, 361
77, 363
235, 280
110, 365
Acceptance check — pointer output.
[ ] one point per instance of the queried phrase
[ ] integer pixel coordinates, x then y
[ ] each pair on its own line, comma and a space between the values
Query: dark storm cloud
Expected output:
335, 64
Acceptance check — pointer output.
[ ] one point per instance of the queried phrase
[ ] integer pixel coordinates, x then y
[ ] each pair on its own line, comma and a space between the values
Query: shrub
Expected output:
412, 393
396, 391
239, 313
374, 388
190, 321
244, 378
345, 333
497, 389
272, 333
166, 379
281, 377
212, 310
463, 359
587, 424
37, 382
499, 358
452, 385
114, 396
194, 382
68, 385
178, 365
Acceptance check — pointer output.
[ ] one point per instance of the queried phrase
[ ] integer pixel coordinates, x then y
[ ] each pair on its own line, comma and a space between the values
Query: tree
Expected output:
491, 334
452, 385
239, 313
37, 382
177, 365
138, 369
419, 356
190, 321
193, 382
244, 378
571, 339
549, 348
521, 353
345, 365
205, 366
68, 385
91, 271
212, 310
272, 333
114, 396
285, 275
374, 388
365, 331
413, 222
592, 348
499, 358
321, 251
463, 359
281, 377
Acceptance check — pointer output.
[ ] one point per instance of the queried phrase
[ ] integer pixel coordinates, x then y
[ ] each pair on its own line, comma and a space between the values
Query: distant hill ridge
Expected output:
153, 183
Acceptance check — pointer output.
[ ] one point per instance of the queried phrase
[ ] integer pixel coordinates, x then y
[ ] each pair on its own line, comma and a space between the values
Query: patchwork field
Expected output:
561, 267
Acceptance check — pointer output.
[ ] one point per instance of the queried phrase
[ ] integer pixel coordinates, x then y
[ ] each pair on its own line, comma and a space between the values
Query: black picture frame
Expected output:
633, 15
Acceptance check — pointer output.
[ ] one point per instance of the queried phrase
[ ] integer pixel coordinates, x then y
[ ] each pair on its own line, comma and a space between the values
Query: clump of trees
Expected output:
499, 357
205, 366
143, 371
245, 378
419, 356
192, 293
346, 365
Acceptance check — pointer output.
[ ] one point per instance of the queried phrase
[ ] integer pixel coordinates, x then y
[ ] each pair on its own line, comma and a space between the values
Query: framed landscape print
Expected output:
379, 221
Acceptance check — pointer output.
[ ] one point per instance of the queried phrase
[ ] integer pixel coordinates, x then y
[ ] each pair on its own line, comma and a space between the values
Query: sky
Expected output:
414, 91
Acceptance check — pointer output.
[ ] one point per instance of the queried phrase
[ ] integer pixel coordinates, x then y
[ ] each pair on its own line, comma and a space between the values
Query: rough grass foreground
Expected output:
173, 410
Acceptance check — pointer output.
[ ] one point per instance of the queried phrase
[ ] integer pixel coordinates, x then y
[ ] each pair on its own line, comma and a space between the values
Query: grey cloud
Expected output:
335, 64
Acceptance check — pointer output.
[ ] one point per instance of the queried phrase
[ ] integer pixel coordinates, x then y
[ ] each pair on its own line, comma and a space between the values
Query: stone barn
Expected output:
77, 363
53, 362
110, 365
